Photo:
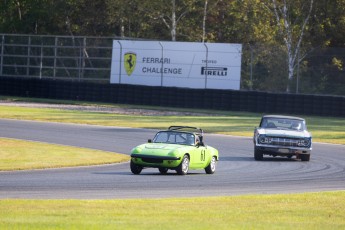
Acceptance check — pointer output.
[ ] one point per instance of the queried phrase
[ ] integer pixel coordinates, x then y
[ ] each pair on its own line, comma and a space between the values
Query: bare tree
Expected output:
206, 8
172, 21
204, 21
292, 34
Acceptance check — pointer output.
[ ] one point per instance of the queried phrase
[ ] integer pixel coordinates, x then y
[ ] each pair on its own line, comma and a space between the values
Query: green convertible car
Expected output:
179, 148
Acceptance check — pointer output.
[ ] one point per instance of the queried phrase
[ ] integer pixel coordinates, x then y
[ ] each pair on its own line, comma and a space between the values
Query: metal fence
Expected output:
264, 68
57, 57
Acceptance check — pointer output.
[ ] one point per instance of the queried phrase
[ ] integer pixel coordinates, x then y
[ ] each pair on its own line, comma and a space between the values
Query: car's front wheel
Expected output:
136, 169
211, 168
163, 170
305, 157
183, 168
258, 156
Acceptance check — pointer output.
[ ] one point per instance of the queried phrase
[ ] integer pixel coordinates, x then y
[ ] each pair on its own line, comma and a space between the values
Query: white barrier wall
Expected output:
176, 64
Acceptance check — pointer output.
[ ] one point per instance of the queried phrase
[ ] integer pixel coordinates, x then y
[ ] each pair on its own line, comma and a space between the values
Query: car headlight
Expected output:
264, 140
304, 142
136, 150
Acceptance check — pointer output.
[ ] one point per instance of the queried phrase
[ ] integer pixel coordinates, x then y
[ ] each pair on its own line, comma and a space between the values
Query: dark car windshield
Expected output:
282, 123
171, 137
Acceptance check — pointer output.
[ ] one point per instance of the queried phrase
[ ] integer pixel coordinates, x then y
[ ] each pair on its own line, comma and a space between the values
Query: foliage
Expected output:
244, 21
249, 22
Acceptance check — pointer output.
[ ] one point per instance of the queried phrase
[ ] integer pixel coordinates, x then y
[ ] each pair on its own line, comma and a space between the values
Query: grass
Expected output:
324, 210
26, 155
323, 129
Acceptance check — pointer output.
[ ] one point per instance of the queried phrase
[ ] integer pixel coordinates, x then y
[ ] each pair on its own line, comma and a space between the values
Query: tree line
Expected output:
283, 39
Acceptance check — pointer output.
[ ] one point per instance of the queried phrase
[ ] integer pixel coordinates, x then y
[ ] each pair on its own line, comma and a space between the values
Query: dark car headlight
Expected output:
304, 142
263, 139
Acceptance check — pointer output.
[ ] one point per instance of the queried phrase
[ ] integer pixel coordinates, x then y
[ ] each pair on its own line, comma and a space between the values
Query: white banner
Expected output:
176, 64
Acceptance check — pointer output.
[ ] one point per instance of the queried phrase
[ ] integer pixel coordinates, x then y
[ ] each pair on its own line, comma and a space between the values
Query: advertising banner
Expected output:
176, 64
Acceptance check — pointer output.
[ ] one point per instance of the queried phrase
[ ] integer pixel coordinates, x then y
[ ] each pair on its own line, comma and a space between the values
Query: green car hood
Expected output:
159, 149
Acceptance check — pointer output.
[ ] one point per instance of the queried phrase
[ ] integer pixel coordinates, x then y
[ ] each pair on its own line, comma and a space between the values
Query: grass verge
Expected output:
25, 155
324, 210
323, 129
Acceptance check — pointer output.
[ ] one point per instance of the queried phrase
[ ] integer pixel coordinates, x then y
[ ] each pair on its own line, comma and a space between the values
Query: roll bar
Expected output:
174, 127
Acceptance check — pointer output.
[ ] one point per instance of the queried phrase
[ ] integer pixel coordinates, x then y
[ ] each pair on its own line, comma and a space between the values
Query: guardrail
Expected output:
228, 100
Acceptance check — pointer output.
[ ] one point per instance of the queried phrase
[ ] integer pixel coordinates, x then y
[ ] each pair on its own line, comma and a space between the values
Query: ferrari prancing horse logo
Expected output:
130, 61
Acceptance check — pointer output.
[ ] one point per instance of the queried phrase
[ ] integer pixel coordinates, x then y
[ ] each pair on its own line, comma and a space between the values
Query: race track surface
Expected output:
237, 172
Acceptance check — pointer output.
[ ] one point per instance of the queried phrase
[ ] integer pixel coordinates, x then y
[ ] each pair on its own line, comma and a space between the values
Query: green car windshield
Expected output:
171, 137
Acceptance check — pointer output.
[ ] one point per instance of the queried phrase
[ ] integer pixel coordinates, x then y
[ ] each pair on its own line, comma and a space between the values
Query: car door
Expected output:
204, 156
197, 157
198, 153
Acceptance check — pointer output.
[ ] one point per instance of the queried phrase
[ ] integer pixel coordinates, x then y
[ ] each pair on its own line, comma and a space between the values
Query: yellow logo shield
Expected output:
130, 61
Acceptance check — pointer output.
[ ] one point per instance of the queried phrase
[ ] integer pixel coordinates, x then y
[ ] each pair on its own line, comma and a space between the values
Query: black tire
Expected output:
136, 169
182, 169
305, 157
258, 156
211, 168
163, 170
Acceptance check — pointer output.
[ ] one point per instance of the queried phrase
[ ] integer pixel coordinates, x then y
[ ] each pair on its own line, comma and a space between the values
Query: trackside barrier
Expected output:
228, 100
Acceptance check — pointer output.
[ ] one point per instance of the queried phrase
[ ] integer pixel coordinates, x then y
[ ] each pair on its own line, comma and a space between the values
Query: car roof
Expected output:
284, 117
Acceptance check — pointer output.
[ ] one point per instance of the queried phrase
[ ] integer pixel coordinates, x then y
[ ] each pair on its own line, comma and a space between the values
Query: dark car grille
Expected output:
151, 160
289, 142
284, 141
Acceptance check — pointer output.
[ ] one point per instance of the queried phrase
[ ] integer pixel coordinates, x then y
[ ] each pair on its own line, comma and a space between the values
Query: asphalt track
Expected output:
237, 172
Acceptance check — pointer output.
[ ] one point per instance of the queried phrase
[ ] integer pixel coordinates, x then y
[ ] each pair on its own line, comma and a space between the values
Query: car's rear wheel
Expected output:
258, 156
136, 169
211, 168
183, 168
163, 170
305, 157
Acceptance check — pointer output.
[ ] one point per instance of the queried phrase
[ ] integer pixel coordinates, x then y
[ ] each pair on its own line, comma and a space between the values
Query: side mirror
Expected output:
149, 141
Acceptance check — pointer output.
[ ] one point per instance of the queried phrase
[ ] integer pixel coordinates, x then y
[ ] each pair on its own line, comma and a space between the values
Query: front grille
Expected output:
284, 142
151, 160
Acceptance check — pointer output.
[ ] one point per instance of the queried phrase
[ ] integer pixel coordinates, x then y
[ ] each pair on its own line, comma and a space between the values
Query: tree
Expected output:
204, 21
323, 68
206, 9
126, 18
171, 15
292, 18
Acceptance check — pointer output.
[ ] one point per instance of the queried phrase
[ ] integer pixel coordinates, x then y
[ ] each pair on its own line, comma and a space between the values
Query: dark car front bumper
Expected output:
155, 157
282, 150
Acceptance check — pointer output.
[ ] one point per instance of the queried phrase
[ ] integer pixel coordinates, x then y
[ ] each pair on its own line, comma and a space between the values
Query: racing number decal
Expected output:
203, 155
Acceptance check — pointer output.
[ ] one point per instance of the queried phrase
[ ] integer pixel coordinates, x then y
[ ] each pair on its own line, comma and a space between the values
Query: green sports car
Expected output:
179, 148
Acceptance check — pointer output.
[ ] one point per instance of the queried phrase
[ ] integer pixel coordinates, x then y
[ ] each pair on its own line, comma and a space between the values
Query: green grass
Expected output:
323, 129
25, 155
324, 210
